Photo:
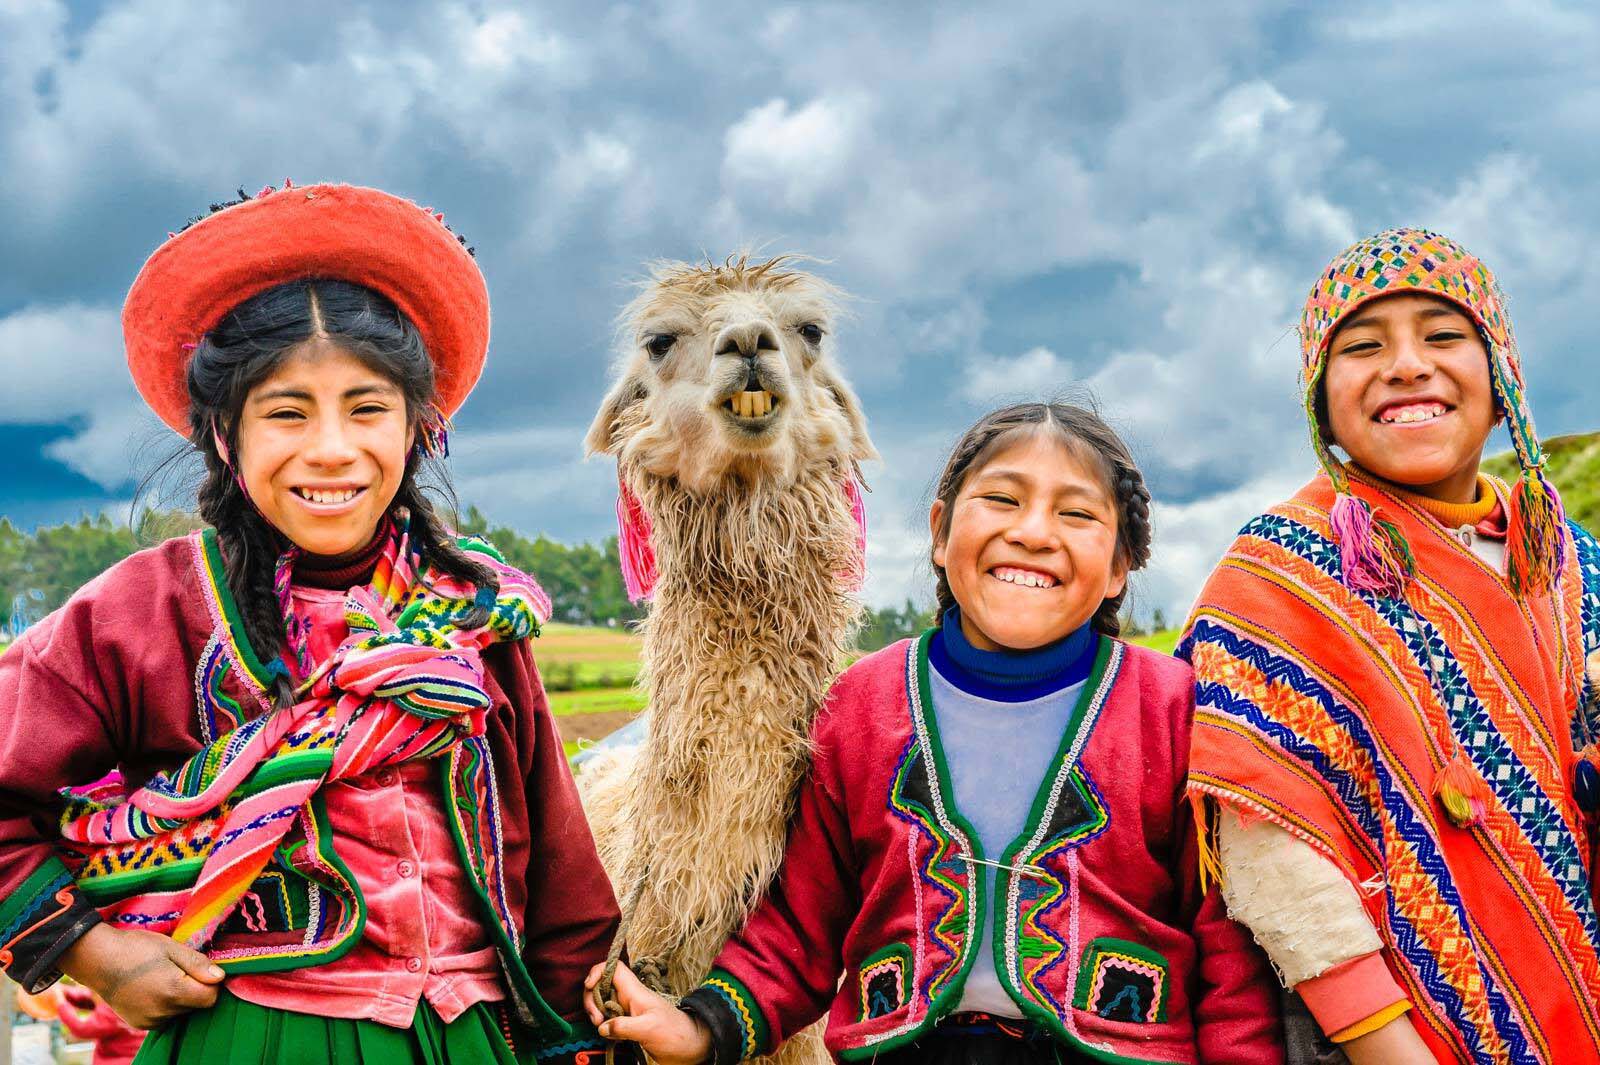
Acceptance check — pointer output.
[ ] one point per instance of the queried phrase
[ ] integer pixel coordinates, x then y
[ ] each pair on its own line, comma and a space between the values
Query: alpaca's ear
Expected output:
602, 436
831, 381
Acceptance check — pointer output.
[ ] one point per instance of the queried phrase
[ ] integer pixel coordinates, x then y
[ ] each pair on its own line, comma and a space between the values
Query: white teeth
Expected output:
317, 496
1408, 415
1024, 578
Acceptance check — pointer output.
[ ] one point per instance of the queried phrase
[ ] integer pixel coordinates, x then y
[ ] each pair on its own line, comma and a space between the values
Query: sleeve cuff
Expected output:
738, 1027
1371, 1024
715, 1012
1352, 993
38, 922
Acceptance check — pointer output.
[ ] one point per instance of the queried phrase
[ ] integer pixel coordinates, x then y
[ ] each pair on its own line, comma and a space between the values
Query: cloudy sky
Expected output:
1123, 200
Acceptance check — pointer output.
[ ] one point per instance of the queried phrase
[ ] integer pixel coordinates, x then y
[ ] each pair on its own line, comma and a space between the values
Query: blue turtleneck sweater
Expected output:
1001, 715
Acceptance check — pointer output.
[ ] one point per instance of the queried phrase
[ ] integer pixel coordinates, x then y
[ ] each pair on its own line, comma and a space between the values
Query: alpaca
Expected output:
738, 438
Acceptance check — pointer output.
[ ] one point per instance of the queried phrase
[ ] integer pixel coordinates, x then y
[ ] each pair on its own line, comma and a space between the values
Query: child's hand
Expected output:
669, 1035
1592, 666
148, 978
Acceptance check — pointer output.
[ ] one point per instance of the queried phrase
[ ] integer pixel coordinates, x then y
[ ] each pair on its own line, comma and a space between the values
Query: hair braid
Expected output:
1133, 537
250, 548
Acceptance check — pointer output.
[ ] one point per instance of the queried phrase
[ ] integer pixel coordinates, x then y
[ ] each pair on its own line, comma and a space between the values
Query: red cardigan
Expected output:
111, 679
1109, 944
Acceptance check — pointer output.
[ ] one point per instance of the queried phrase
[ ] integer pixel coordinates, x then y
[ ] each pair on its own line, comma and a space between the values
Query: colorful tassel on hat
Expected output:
637, 554
1373, 554
1535, 542
433, 432
1460, 791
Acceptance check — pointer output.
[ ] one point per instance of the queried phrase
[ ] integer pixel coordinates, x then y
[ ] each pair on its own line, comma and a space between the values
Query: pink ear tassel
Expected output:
1368, 563
856, 576
637, 554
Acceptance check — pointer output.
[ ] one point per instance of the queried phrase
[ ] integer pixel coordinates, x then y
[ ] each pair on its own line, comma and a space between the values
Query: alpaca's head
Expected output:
726, 372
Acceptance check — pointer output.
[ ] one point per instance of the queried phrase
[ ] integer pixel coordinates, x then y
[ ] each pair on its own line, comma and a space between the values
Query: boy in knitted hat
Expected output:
1393, 725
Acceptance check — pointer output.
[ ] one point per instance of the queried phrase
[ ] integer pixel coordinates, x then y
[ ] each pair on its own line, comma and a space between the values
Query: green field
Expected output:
1573, 465
577, 657
573, 660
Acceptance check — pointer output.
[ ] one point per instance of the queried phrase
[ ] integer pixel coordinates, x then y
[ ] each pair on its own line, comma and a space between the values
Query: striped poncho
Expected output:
1337, 714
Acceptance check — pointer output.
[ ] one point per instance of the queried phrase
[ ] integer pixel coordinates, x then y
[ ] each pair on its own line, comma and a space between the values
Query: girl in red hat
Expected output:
331, 819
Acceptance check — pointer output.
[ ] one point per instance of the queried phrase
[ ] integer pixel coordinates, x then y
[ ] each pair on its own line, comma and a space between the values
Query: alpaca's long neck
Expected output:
751, 613
753, 583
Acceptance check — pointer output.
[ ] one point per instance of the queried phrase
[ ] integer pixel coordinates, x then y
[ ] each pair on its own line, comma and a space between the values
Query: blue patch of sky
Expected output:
37, 489
1083, 314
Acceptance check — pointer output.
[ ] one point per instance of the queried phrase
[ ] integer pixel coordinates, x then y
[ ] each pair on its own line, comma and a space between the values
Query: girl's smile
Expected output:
323, 444
1030, 550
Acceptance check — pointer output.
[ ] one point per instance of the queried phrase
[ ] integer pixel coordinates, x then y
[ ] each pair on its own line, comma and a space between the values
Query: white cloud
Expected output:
1036, 372
65, 365
503, 39
1504, 212
798, 154
1189, 538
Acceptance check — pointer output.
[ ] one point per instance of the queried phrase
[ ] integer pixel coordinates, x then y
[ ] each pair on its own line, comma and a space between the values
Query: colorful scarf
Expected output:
177, 855
1374, 556
1424, 743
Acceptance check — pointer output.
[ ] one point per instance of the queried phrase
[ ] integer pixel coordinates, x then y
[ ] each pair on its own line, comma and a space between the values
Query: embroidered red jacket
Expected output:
130, 673
1105, 940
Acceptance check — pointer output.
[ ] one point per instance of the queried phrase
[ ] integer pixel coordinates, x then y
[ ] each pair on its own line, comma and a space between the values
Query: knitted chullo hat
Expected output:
1373, 553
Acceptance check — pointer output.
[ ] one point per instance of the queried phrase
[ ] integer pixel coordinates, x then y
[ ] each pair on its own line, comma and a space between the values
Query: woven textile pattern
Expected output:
1323, 709
176, 855
1394, 261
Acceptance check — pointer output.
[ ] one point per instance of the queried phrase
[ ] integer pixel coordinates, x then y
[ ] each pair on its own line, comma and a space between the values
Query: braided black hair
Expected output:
1088, 435
242, 351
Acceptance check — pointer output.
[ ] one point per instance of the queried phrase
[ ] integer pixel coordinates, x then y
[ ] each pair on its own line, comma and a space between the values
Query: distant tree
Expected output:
884, 625
584, 580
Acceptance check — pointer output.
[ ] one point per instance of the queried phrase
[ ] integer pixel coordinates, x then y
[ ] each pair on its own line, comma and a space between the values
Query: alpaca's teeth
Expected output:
752, 404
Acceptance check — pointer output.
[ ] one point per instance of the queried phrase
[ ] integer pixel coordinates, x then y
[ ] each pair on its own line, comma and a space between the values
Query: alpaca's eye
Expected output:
811, 332
660, 344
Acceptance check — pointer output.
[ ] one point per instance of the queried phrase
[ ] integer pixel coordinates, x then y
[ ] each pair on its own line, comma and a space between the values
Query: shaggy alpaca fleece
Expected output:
756, 549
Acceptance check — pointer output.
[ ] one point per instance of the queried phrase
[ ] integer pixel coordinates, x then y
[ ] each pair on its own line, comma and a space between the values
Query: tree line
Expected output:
39, 570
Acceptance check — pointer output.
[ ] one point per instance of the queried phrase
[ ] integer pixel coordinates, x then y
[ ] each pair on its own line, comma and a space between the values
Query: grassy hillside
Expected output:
1573, 466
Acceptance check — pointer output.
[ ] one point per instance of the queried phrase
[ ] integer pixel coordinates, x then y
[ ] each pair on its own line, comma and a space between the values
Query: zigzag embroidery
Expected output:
1045, 893
940, 856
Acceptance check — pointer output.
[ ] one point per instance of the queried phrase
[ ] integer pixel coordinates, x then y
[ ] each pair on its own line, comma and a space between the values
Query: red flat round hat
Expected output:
344, 232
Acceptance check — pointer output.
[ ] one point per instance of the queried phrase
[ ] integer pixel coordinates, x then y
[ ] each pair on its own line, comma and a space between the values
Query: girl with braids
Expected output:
990, 849
330, 818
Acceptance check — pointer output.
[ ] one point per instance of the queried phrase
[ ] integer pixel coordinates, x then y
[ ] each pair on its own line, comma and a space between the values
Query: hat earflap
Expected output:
1373, 554
1535, 543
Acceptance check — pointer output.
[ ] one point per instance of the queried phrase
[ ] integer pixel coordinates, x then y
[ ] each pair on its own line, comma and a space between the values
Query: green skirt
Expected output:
236, 1032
